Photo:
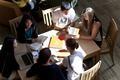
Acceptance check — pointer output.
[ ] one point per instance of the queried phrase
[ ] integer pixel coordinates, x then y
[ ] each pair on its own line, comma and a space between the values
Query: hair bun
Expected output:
89, 9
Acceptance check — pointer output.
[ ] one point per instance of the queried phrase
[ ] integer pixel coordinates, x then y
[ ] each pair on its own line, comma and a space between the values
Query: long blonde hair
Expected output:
90, 13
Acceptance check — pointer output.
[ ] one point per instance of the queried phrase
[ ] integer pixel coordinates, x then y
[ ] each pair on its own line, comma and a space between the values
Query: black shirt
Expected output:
46, 72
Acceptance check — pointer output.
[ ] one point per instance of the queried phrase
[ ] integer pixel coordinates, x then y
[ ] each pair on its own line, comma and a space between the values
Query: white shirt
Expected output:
58, 14
76, 60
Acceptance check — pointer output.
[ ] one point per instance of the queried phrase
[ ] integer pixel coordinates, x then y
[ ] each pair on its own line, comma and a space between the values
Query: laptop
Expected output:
25, 60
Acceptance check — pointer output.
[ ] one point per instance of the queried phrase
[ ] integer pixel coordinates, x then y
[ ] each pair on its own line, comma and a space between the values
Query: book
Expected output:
55, 42
73, 30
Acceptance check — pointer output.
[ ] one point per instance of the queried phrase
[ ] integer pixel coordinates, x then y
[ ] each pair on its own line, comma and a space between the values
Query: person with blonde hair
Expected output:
92, 26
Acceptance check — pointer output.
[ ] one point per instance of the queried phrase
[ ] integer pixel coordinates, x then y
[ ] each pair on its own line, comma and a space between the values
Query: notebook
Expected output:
73, 30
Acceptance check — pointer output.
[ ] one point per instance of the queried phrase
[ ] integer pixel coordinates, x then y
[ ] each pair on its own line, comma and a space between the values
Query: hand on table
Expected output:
34, 40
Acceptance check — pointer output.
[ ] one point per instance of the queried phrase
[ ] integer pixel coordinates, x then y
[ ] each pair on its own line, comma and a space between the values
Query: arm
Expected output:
95, 30
58, 73
35, 34
72, 15
32, 71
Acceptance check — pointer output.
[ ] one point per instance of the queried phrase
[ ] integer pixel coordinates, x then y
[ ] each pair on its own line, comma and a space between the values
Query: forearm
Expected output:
86, 37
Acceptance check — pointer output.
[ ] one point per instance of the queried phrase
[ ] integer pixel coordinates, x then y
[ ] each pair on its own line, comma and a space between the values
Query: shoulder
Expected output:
77, 56
78, 53
54, 66
72, 11
97, 23
35, 66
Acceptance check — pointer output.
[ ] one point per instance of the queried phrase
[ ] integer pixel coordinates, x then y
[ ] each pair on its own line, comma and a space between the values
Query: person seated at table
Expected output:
74, 62
62, 17
92, 26
43, 69
26, 32
8, 63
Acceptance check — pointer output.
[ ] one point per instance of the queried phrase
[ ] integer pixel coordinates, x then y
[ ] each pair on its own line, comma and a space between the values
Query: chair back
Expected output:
91, 73
111, 34
74, 3
47, 16
14, 23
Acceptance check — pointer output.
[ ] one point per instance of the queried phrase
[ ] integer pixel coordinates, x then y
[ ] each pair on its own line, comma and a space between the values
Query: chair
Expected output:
110, 38
91, 73
47, 17
74, 3
14, 24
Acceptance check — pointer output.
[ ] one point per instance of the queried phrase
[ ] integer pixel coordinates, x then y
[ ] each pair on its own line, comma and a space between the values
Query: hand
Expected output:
77, 36
34, 40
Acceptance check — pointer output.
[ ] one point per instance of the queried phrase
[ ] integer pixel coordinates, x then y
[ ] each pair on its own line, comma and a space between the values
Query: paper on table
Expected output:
36, 46
55, 42
41, 39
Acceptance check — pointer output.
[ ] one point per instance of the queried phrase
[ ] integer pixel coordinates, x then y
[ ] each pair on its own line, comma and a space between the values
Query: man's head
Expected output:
44, 56
65, 6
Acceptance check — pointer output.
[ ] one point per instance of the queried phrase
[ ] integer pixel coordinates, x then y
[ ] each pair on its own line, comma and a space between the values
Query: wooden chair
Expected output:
110, 39
47, 17
91, 73
14, 24
74, 3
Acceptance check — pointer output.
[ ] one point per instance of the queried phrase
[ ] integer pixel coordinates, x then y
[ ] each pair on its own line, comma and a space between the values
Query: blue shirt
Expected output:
28, 33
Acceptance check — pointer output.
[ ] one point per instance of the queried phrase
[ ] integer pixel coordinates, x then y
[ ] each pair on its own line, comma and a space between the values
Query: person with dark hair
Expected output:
26, 32
43, 70
8, 62
74, 62
65, 15
92, 26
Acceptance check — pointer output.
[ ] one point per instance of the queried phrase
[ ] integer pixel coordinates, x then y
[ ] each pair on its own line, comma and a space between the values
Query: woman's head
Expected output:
65, 6
71, 44
44, 56
88, 14
28, 23
27, 20
9, 43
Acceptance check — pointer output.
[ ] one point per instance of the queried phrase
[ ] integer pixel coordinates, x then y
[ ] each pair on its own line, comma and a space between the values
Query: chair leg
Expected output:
111, 55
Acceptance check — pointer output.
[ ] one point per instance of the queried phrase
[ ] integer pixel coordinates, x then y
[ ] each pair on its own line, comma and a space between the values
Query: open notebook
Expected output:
73, 30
